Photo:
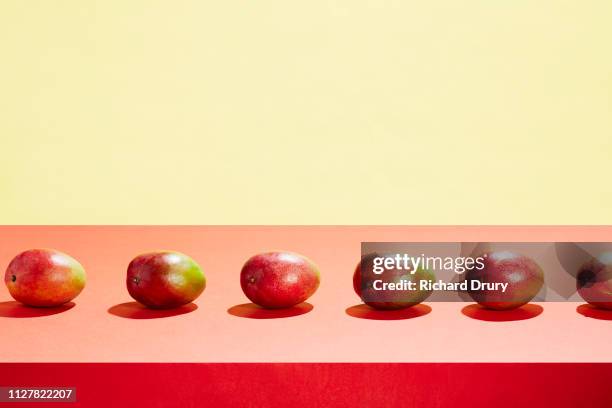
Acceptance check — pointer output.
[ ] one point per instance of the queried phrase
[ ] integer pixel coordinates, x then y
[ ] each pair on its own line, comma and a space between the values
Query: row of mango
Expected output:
277, 280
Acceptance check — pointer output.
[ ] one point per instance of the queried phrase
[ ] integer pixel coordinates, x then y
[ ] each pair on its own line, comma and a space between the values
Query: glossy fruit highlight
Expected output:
594, 281
44, 278
276, 280
522, 274
164, 279
364, 278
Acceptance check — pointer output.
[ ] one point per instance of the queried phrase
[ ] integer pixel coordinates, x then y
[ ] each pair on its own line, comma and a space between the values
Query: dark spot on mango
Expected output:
586, 278
136, 280
13, 278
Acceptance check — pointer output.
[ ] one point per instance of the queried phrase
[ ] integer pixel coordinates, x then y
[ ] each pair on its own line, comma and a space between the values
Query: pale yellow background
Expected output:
300, 112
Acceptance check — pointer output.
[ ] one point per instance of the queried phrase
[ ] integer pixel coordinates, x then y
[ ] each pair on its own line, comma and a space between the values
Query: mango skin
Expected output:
164, 279
388, 300
44, 278
524, 276
594, 281
278, 280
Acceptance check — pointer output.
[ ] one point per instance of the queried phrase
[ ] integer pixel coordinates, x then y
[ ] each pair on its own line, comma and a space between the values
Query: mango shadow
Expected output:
134, 310
593, 312
528, 311
363, 311
253, 311
19, 310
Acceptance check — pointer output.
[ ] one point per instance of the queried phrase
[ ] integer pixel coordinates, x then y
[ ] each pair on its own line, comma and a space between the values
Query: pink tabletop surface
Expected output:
101, 327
